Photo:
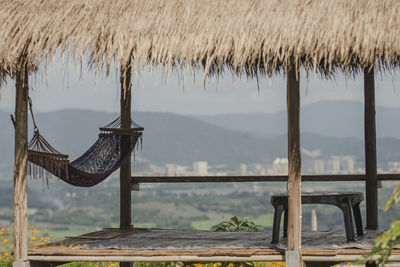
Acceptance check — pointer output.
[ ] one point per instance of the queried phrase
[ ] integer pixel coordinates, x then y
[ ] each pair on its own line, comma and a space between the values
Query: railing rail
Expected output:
268, 178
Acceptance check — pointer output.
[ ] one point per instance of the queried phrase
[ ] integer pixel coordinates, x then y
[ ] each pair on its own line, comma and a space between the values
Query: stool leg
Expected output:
285, 222
277, 223
357, 219
348, 220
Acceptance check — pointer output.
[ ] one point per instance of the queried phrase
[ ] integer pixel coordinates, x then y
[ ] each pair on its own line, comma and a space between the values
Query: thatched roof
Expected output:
246, 36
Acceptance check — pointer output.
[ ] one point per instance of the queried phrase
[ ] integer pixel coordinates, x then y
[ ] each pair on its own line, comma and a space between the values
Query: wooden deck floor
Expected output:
195, 245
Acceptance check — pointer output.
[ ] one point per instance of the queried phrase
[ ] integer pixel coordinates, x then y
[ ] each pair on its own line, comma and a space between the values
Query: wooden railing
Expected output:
269, 178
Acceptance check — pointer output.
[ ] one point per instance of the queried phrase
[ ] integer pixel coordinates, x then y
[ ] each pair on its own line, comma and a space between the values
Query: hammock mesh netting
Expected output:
113, 147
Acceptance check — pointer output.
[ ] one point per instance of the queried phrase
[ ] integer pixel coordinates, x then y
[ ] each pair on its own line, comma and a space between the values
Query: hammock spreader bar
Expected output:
113, 147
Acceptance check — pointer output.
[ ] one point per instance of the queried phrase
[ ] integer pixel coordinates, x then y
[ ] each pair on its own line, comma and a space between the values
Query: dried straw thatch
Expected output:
248, 37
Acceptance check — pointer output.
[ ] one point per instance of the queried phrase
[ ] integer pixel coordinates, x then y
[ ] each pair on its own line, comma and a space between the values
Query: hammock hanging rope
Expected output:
113, 147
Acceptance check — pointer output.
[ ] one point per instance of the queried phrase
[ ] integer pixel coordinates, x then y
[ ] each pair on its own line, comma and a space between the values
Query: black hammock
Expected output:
113, 147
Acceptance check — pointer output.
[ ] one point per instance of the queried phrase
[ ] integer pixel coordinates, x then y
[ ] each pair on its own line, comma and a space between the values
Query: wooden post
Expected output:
294, 172
314, 222
371, 183
125, 170
20, 166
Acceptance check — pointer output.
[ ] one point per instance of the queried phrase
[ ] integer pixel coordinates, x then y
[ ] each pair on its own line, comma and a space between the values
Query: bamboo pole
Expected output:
20, 165
371, 184
294, 172
125, 171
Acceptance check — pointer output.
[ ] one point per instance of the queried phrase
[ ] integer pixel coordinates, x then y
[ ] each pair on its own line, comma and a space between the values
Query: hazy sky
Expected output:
66, 88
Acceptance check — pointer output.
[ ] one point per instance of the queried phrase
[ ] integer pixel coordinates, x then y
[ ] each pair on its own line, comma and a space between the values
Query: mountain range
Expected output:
220, 139
327, 118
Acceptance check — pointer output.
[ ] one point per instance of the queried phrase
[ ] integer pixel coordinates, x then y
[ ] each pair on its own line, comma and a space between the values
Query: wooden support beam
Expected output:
258, 178
173, 258
389, 177
20, 165
294, 172
193, 258
371, 184
125, 170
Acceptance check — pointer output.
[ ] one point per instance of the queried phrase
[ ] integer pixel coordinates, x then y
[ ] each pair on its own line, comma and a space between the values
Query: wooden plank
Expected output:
20, 164
207, 179
125, 170
333, 258
268, 178
389, 177
65, 251
172, 258
208, 253
371, 184
294, 158
244, 179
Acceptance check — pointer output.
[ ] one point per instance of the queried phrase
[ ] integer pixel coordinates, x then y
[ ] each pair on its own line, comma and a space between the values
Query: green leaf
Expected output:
389, 239
235, 220
395, 198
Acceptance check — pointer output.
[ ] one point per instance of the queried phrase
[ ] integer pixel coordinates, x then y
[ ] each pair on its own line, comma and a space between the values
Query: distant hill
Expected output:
326, 118
6, 139
171, 138
168, 138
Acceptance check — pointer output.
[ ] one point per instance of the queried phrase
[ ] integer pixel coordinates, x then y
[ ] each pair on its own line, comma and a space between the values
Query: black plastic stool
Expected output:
348, 202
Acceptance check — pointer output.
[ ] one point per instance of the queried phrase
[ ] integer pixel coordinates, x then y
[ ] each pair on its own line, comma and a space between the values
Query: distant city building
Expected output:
338, 164
280, 166
394, 166
322, 164
243, 169
319, 166
259, 169
156, 170
334, 163
395, 170
349, 163
200, 168
175, 170
170, 170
